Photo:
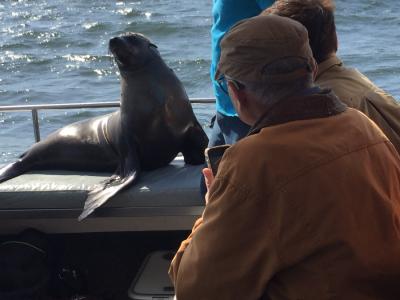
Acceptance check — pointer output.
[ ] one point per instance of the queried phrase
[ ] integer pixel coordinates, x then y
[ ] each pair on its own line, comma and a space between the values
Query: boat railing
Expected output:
35, 108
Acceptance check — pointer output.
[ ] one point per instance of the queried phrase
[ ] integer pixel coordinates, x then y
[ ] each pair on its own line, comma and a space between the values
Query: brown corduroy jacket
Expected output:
306, 207
358, 92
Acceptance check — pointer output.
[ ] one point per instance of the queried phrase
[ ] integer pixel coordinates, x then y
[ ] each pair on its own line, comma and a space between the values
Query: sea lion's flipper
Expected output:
129, 171
98, 197
194, 145
12, 170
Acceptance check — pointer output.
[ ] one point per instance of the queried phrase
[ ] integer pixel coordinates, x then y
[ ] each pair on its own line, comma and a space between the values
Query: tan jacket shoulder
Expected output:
357, 91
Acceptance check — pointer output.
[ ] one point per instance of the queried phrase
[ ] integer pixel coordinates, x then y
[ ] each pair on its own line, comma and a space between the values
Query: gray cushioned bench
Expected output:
164, 199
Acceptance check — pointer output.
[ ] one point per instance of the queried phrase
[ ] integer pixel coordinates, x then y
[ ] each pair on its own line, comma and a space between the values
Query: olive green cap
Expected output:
254, 43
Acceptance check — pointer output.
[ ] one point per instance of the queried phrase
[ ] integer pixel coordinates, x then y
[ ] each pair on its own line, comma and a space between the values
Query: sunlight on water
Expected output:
79, 58
90, 25
125, 11
12, 56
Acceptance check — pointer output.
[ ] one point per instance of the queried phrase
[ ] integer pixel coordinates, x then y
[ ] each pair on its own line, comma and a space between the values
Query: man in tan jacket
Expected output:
307, 206
352, 87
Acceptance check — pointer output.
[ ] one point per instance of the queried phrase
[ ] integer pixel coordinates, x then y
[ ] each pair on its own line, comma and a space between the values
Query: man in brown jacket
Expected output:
352, 87
307, 206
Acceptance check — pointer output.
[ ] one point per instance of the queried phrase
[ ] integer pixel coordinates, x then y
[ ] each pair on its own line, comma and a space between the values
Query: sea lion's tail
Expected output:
105, 191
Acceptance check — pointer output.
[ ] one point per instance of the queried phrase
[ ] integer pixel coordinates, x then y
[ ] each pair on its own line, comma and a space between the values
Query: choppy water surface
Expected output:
54, 51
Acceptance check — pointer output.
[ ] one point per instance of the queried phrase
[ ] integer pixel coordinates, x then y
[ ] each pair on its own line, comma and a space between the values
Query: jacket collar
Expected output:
327, 64
315, 104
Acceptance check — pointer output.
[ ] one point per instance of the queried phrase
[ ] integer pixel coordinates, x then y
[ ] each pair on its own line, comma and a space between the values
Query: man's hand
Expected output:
209, 179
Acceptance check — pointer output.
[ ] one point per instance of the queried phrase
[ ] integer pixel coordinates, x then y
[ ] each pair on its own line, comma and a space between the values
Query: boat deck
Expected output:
165, 199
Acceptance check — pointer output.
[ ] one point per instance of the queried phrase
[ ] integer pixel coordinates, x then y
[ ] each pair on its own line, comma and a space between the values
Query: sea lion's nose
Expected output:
114, 42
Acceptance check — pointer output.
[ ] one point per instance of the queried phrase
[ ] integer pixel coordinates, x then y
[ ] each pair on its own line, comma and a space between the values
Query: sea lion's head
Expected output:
132, 51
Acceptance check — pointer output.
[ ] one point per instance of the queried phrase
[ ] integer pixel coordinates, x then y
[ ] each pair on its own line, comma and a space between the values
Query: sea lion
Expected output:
154, 123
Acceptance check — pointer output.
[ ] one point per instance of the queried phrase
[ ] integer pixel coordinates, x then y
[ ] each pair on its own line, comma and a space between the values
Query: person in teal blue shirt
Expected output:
228, 128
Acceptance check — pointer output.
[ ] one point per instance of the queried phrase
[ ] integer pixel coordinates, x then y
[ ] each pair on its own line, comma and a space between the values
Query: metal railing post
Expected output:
35, 121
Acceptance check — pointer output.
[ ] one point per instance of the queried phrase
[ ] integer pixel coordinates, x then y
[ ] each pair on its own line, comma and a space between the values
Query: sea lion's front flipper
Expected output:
129, 171
194, 144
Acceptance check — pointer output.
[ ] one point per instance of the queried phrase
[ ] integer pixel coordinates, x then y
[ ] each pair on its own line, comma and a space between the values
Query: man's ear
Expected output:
237, 95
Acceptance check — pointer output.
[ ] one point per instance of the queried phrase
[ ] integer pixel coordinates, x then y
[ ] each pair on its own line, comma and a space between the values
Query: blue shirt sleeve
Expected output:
263, 4
225, 14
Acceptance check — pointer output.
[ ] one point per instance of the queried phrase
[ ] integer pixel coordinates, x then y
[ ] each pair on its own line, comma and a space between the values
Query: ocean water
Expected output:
54, 51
